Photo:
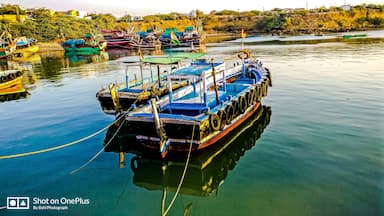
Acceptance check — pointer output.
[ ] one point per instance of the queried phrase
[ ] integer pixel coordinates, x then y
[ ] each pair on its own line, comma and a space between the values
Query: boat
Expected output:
138, 92
7, 45
117, 38
25, 47
91, 44
202, 117
172, 38
11, 85
349, 36
207, 170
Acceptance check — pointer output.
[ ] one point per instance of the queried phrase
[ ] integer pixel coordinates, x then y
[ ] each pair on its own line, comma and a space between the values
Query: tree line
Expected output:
47, 26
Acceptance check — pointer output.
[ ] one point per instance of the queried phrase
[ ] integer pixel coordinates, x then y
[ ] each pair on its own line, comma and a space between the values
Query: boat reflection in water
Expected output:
207, 168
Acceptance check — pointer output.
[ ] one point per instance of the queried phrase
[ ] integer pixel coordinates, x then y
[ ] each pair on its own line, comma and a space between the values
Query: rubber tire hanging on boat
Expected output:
265, 87
269, 77
242, 104
258, 93
214, 121
230, 114
223, 117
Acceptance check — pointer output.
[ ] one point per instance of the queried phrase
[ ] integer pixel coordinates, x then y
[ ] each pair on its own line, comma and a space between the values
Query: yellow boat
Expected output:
25, 47
11, 85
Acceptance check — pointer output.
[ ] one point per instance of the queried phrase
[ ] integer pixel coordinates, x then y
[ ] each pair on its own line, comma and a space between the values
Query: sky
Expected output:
145, 7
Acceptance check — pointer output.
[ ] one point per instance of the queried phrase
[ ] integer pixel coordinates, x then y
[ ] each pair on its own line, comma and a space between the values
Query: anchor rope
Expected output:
184, 172
60, 146
99, 152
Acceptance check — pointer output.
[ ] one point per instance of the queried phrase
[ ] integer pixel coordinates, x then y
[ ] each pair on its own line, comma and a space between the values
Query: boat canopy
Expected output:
162, 60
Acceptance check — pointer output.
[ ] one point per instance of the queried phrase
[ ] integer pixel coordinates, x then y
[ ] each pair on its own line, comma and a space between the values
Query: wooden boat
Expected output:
207, 169
25, 47
7, 45
139, 92
349, 36
205, 115
11, 85
117, 38
172, 38
90, 45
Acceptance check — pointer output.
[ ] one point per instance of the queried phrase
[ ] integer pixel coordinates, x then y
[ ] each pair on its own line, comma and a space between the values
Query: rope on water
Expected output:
184, 172
3, 207
98, 153
60, 146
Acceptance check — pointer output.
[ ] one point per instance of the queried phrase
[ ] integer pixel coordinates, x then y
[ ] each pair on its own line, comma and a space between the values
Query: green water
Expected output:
321, 152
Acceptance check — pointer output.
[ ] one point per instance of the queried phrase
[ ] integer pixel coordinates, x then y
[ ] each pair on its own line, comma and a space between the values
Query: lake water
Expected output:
321, 151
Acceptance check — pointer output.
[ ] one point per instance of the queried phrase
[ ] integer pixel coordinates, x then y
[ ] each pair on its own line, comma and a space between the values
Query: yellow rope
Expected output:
60, 146
98, 153
184, 172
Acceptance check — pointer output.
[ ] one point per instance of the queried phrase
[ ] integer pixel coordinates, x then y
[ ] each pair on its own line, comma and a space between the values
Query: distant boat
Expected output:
25, 47
117, 38
7, 45
349, 36
11, 85
91, 44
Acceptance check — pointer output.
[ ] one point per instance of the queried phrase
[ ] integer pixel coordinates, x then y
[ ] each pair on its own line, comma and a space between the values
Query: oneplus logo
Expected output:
17, 202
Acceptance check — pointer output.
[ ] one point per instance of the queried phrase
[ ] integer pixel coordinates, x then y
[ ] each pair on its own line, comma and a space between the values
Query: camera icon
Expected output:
17, 202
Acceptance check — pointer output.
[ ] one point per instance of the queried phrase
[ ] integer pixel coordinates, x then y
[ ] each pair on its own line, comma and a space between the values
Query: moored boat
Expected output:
139, 92
90, 45
349, 36
11, 85
25, 47
200, 118
117, 38
206, 169
7, 45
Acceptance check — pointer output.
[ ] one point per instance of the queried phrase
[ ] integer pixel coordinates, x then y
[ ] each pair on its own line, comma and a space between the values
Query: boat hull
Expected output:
183, 132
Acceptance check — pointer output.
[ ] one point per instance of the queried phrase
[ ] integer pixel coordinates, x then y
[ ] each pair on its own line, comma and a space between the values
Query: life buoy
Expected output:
230, 114
244, 54
242, 104
214, 122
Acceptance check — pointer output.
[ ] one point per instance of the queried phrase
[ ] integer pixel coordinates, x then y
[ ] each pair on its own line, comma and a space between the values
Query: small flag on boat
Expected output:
243, 35
174, 39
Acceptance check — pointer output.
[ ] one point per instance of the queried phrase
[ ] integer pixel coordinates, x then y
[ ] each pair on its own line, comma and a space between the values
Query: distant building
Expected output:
82, 14
346, 7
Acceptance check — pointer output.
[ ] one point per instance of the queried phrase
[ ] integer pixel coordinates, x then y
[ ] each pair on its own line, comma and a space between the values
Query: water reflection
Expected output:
207, 169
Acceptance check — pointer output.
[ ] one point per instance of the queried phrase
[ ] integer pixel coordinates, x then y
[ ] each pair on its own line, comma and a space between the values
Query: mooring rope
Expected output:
3, 207
60, 146
99, 152
184, 172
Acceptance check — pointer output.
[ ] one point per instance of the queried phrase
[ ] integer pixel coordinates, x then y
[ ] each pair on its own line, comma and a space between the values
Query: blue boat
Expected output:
205, 115
139, 92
